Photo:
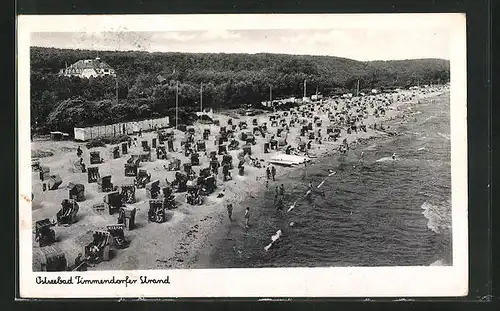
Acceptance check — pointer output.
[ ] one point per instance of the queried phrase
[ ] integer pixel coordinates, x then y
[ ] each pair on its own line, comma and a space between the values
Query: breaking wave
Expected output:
438, 216
444, 135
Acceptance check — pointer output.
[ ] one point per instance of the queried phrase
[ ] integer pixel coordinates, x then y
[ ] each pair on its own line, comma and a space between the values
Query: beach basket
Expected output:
77, 192
49, 258
54, 182
153, 189
44, 173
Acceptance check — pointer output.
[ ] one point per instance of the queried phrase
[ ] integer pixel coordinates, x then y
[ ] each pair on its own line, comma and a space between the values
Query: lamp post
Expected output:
116, 88
201, 97
177, 105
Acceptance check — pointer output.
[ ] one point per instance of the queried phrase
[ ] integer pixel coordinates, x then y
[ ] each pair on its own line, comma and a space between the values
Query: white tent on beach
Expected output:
126, 128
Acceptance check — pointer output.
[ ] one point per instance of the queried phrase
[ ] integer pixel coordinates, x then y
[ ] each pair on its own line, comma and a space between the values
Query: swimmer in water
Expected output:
393, 156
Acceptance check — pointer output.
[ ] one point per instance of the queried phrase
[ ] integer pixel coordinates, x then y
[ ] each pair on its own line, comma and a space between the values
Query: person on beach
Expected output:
267, 183
230, 211
80, 263
82, 166
273, 172
268, 173
79, 151
282, 190
247, 217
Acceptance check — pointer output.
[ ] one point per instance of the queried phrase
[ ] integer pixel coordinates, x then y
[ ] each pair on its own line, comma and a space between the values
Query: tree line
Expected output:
147, 83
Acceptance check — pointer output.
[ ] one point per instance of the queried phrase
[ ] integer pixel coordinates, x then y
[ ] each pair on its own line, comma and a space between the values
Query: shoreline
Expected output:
192, 234
204, 258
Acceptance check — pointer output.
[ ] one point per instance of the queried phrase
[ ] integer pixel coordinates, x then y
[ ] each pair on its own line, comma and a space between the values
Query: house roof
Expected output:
90, 64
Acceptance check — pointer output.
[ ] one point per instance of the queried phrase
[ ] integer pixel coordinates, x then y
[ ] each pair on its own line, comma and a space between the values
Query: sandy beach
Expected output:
188, 237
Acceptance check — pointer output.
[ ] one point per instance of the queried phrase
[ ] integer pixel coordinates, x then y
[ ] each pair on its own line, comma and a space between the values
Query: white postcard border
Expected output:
262, 282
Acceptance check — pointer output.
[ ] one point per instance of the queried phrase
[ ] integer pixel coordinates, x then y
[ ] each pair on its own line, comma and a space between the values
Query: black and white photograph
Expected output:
266, 149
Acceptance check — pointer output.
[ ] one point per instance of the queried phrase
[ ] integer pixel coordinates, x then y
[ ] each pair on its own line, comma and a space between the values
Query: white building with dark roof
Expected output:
87, 68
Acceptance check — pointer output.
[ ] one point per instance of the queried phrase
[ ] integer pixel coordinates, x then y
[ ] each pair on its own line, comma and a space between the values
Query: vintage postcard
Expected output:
242, 156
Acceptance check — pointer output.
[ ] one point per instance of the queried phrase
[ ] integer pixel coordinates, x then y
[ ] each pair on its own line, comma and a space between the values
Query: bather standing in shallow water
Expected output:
230, 211
309, 189
247, 217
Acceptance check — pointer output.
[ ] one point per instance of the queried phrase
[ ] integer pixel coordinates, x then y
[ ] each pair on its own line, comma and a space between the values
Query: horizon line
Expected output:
241, 53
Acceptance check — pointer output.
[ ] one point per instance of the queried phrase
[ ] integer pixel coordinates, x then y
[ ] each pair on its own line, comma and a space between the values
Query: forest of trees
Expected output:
229, 81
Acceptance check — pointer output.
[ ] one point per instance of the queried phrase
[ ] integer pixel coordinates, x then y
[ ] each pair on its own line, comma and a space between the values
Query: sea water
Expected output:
374, 212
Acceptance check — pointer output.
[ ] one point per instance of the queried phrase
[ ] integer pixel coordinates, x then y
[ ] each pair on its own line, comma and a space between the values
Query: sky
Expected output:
355, 43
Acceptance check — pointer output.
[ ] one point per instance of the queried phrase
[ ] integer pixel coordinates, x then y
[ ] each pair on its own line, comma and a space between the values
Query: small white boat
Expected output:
288, 159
